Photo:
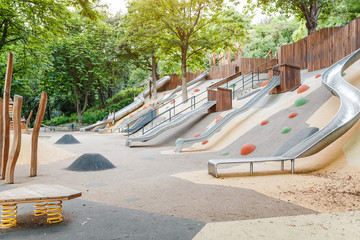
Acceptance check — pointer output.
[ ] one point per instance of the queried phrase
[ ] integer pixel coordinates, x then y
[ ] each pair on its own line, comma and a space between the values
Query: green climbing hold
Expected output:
301, 101
285, 130
343, 74
225, 153
176, 141
233, 85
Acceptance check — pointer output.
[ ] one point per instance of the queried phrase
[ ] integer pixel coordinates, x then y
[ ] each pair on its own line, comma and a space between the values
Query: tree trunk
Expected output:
154, 77
183, 76
80, 110
311, 16
101, 94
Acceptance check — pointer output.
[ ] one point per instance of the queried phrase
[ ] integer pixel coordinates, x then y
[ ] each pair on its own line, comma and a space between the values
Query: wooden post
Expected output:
35, 134
15, 150
28, 120
6, 136
1, 130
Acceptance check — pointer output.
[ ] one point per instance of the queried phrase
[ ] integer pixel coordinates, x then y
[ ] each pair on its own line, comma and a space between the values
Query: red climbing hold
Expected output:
264, 83
164, 93
318, 75
204, 142
197, 135
218, 118
145, 107
131, 116
197, 90
302, 88
264, 122
247, 149
172, 102
292, 115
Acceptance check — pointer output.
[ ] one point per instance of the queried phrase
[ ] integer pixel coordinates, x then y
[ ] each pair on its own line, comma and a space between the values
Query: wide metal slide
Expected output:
275, 81
347, 115
176, 122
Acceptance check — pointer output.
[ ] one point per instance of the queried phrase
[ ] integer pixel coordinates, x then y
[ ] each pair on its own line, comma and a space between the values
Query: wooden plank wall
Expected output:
297, 53
248, 64
223, 71
343, 42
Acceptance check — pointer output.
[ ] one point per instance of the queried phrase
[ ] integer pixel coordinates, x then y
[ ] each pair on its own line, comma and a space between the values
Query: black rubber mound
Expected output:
90, 162
67, 139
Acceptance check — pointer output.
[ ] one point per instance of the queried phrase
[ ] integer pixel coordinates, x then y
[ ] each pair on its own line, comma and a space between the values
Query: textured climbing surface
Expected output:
302, 88
247, 149
292, 115
264, 122
301, 101
285, 130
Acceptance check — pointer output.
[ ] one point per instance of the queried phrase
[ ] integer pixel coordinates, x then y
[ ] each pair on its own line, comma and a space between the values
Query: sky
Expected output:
116, 5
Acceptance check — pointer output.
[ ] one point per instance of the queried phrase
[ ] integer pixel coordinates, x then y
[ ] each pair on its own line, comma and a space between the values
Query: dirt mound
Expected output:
90, 162
67, 139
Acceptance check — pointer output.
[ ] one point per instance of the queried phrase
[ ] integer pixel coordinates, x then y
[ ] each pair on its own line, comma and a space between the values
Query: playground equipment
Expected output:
275, 81
179, 120
48, 200
8, 162
138, 102
347, 115
152, 113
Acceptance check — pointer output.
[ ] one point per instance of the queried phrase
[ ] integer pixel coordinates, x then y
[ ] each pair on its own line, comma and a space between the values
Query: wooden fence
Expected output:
340, 44
297, 53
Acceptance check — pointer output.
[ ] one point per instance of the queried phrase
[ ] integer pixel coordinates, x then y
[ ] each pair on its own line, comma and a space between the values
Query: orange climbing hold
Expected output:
218, 118
197, 135
302, 88
247, 149
264, 83
264, 122
145, 107
318, 75
204, 142
292, 115
172, 102
197, 90
131, 116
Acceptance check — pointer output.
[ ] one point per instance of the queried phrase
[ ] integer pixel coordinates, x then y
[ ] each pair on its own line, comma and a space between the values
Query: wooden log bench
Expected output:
47, 199
213, 163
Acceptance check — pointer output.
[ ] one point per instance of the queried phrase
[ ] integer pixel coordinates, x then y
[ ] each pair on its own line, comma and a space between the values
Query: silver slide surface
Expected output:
347, 115
166, 98
179, 120
275, 81
138, 102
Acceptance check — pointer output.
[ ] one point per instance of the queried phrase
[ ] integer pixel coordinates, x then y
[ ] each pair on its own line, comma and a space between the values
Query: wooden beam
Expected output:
1, 131
28, 120
6, 135
15, 150
35, 134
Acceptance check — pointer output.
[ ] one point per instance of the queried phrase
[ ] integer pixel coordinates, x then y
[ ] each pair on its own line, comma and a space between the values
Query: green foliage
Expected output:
128, 93
300, 33
267, 35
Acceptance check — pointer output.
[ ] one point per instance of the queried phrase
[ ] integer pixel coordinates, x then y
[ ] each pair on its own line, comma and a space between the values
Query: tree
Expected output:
303, 9
82, 63
30, 21
178, 26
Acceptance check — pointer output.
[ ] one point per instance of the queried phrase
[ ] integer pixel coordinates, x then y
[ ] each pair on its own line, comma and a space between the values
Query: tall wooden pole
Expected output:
6, 136
29, 118
35, 134
15, 150
1, 131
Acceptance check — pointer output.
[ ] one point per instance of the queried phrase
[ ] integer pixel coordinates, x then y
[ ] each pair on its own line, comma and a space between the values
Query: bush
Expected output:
128, 93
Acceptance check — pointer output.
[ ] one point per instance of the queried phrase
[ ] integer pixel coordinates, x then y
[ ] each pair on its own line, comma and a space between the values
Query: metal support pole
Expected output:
292, 166
252, 80
251, 169
243, 81
282, 165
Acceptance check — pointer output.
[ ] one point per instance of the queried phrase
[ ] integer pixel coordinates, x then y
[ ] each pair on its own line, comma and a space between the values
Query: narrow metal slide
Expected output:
275, 81
347, 115
176, 122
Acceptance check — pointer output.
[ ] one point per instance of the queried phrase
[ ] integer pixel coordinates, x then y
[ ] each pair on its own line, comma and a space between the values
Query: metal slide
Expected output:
139, 123
138, 102
179, 120
275, 81
166, 98
347, 115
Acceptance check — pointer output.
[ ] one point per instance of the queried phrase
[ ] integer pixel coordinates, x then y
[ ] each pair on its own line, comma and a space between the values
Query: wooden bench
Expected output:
213, 163
48, 199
